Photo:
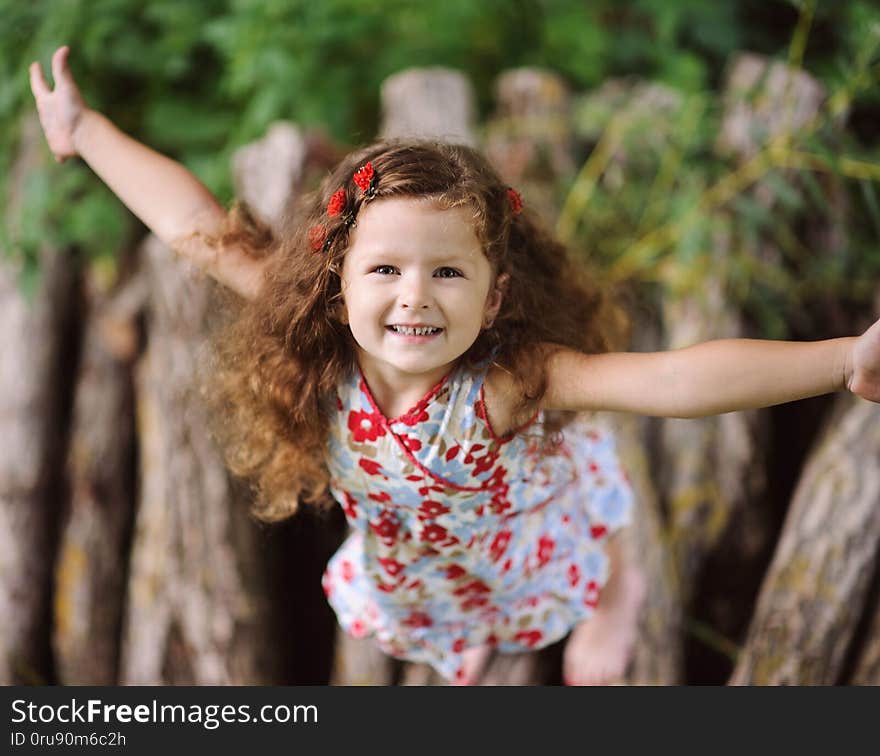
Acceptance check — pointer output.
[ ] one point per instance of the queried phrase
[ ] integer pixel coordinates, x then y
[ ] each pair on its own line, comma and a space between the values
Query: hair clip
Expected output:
337, 203
317, 237
365, 177
516, 203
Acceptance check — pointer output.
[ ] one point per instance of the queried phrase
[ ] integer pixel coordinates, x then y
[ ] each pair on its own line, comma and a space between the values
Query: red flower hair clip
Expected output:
317, 237
365, 177
337, 203
516, 203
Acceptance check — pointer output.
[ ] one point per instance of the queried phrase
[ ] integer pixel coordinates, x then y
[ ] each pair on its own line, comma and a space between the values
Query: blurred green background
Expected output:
196, 80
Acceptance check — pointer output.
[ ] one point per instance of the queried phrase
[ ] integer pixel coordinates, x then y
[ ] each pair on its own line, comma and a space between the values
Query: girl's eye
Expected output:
444, 272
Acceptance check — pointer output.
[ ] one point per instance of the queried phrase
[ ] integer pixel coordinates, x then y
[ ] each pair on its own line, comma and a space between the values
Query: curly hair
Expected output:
277, 361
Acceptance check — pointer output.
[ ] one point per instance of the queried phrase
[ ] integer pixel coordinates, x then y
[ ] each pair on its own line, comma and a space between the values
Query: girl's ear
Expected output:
496, 296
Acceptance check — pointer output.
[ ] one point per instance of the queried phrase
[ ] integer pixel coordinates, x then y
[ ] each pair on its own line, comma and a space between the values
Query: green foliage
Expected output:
667, 200
197, 80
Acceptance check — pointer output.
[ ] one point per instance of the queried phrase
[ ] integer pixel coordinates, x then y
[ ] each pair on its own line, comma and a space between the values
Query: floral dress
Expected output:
460, 538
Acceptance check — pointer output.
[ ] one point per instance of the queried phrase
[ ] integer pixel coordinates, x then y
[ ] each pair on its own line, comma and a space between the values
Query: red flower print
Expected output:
317, 237
414, 478
411, 443
500, 504
458, 646
475, 586
386, 587
372, 468
386, 528
339, 403
473, 602
415, 584
593, 467
357, 629
453, 572
365, 426
591, 594
426, 490
347, 571
391, 566
414, 417
434, 533
515, 200
469, 458
452, 452
531, 638
545, 550
496, 480
350, 507
574, 574
432, 509
485, 463
507, 565
363, 176
597, 531
499, 544
492, 640
381, 497
418, 619
337, 203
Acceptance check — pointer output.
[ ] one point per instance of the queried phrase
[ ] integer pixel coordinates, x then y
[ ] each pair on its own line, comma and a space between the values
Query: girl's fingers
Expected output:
38, 83
59, 64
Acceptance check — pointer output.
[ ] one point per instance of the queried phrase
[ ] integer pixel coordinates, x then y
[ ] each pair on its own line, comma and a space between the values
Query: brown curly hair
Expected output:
278, 360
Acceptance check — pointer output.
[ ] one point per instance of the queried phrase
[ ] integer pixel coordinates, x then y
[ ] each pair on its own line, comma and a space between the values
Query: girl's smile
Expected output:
415, 333
416, 287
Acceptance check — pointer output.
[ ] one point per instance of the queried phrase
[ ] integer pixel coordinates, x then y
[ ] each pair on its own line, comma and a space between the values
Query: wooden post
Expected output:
40, 337
93, 555
814, 593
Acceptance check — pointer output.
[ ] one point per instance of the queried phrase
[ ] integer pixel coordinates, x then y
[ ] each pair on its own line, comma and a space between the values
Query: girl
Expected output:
414, 342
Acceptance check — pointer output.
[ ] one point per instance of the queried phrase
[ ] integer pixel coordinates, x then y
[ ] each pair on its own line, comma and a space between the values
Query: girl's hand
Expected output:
60, 109
863, 376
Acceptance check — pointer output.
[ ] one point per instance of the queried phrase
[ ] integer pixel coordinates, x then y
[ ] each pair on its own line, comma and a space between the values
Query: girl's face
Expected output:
412, 265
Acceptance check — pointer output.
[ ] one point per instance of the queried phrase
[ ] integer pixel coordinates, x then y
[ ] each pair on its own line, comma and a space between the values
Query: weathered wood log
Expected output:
867, 666
428, 103
658, 653
269, 175
528, 138
713, 470
199, 610
708, 468
814, 593
764, 99
39, 346
272, 171
657, 659
93, 552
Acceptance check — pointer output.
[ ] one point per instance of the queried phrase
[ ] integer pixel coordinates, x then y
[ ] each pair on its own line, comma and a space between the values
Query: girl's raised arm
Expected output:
170, 201
714, 377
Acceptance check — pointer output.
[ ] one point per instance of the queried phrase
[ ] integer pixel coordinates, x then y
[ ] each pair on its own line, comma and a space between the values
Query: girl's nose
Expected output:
415, 293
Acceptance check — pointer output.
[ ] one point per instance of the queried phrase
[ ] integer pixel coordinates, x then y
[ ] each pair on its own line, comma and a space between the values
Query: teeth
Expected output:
415, 331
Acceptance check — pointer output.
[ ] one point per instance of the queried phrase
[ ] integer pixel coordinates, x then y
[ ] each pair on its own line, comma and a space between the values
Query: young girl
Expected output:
414, 341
